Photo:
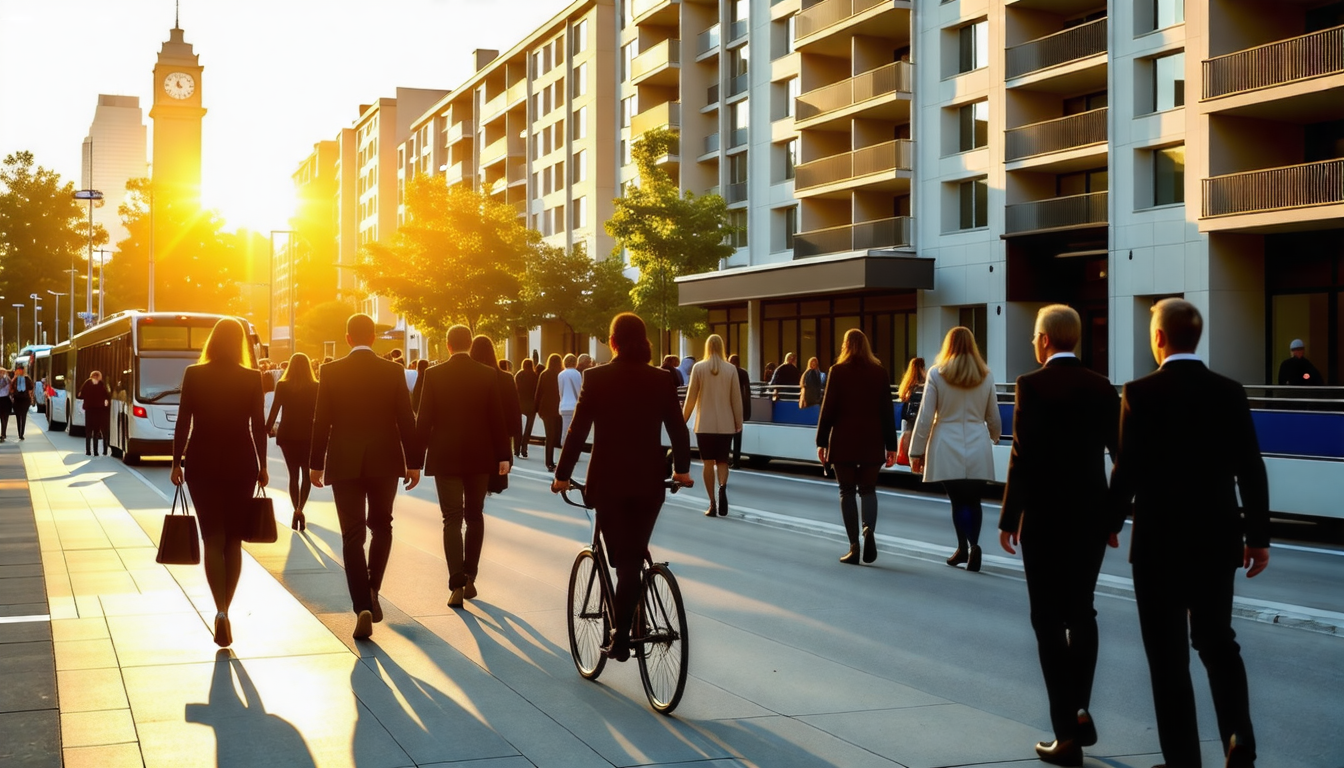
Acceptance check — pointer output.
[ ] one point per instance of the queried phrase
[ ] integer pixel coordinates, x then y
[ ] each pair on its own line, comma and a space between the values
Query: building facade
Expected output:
114, 152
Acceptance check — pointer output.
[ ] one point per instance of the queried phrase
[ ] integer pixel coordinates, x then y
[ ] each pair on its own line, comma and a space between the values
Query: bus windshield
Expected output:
160, 379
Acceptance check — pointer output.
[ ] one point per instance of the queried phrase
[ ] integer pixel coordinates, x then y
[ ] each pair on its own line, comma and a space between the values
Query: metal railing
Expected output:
707, 41
711, 143
1057, 212
1059, 48
665, 115
664, 54
735, 192
884, 233
1275, 189
896, 77
1284, 61
887, 157
1057, 135
829, 13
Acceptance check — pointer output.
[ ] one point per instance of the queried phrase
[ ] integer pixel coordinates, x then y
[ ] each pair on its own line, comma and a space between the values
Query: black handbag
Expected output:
260, 518
498, 483
179, 544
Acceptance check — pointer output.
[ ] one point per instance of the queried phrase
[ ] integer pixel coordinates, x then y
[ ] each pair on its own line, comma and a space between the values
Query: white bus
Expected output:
142, 356
35, 360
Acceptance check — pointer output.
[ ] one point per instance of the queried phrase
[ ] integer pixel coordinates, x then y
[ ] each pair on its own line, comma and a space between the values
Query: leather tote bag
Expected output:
180, 543
260, 519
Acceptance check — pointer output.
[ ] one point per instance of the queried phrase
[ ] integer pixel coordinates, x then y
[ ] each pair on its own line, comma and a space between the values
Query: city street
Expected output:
795, 659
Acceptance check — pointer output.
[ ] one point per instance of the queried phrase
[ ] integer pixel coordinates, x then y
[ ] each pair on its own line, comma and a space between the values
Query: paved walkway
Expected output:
141, 683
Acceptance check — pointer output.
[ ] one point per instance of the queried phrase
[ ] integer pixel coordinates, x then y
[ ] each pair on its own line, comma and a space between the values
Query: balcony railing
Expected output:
881, 158
1061, 47
884, 233
1057, 212
1277, 63
516, 93
498, 150
829, 13
737, 30
707, 41
640, 8
737, 137
460, 131
664, 54
665, 115
897, 77
1275, 189
739, 84
711, 143
496, 106
1057, 135
736, 192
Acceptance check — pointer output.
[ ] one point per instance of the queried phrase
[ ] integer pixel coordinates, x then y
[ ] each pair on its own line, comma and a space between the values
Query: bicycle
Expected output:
659, 637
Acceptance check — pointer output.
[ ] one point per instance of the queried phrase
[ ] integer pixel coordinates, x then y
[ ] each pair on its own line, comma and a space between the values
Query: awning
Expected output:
865, 272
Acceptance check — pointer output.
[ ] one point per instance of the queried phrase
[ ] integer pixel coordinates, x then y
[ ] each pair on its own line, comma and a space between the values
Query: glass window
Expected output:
974, 318
580, 124
973, 46
629, 108
974, 202
792, 90
580, 166
737, 218
741, 115
1169, 82
1169, 175
790, 226
580, 80
1167, 13
628, 53
580, 209
790, 158
580, 37
792, 34
974, 122
737, 168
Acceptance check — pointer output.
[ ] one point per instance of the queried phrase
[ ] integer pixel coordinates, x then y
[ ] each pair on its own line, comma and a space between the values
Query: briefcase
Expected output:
259, 519
498, 483
179, 544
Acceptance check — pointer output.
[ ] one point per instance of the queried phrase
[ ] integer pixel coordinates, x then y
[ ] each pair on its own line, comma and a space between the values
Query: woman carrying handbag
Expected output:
295, 401
911, 395
221, 434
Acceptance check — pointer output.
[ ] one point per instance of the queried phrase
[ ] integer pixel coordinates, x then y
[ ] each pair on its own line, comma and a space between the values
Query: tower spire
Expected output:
177, 14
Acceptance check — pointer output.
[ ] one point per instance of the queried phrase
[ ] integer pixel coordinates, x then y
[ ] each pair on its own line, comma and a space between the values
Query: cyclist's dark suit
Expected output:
627, 404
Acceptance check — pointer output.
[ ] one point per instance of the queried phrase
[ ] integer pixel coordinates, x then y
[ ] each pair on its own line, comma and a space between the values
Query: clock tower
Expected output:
176, 115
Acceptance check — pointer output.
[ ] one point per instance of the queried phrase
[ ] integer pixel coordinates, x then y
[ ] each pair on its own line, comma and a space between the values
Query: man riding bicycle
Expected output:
626, 404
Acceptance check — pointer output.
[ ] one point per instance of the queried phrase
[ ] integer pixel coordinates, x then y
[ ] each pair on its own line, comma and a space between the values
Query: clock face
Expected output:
179, 85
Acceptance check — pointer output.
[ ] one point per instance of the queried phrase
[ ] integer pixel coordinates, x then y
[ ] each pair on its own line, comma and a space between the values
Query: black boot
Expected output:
723, 500
852, 556
973, 561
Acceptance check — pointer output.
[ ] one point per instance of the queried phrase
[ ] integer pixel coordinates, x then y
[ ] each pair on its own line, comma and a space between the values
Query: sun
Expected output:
258, 204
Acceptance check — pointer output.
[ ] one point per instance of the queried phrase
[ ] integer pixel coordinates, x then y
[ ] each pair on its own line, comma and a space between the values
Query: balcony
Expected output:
707, 41
1063, 47
738, 84
832, 15
711, 143
495, 107
516, 93
737, 137
885, 233
459, 173
498, 150
735, 193
1275, 189
1057, 135
737, 30
851, 168
659, 65
657, 12
459, 131
834, 101
665, 115
1278, 63
1058, 213
712, 95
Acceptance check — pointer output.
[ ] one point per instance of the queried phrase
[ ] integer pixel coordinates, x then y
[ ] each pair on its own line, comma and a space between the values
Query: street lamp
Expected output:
18, 326
91, 195
102, 291
35, 299
57, 313
72, 272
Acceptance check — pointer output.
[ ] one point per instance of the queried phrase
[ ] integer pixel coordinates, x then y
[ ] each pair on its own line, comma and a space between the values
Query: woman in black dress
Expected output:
525, 381
221, 433
548, 406
296, 396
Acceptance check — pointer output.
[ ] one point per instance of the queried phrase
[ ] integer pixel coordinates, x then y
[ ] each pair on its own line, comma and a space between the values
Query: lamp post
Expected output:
102, 290
91, 195
18, 326
70, 334
57, 314
36, 299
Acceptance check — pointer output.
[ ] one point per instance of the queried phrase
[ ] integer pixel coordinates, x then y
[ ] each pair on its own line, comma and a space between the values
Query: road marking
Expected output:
25, 619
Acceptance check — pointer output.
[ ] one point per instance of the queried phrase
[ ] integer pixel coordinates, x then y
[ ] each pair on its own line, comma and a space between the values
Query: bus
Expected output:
35, 359
142, 356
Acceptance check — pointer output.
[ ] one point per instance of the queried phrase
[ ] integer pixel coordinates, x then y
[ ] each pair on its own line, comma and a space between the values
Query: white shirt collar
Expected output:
1181, 356
1059, 354
361, 346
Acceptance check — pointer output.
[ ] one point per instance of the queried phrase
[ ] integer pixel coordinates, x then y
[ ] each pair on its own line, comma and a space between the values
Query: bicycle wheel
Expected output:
588, 624
661, 639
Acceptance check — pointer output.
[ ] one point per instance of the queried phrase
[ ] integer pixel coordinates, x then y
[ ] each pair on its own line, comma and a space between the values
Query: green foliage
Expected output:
460, 258
668, 234
568, 286
324, 322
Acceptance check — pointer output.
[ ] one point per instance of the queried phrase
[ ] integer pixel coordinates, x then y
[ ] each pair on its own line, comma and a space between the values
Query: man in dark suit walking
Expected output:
1055, 502
363, 442
21, 395
744, 386
461, 424
1188, 448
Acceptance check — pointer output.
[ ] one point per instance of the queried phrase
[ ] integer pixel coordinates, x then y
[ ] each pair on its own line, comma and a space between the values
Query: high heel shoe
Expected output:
851, 557
957, 557
869, 545
299, 522
723, 500
223, 632
973, 562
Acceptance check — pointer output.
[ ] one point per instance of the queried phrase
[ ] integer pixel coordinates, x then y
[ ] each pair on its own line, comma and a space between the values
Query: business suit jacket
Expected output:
299, 401
787, 375
24, 398
1187, 446
461, 421
857, 423
220, 428
1066, 416
548, 393
627, 405
362, 425
956, 430
744, 387
526, 384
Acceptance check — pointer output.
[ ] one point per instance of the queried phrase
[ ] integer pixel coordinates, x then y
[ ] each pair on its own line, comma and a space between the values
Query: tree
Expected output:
324, 322
571, 288
459, 258
668, 234
43, 232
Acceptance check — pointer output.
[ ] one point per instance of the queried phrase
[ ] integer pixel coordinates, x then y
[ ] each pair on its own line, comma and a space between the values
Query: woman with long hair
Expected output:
221, 435
483, 352
911, 394
525, 382
296, 397
856, 434
548, 406
810, 392
717, 401
954, 437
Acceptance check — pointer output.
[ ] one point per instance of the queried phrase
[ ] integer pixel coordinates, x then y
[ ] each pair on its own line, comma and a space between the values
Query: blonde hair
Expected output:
227, 344
855, 347
813, 364
959, 362
714, 353
1062, 325
914, 377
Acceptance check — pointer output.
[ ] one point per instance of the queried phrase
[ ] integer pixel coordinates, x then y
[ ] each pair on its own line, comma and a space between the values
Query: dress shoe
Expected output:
550, 467
469, 589
376, 611
973, 560
869, 546
299, 522
713, 509
1086, 735
363, 626
455, 599
223, 631
616, 650
957, 557
852, 556
523, 455
723, 500
1060, 753
1239, 756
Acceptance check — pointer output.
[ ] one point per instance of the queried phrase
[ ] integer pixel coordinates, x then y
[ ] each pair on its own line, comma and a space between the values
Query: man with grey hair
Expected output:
1297, 370
1188, 449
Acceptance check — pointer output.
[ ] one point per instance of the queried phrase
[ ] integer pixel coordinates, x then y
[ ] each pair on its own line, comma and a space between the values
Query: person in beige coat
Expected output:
955, 434
714, 395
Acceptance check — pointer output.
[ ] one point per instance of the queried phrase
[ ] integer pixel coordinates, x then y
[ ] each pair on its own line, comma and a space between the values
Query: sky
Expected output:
280, 75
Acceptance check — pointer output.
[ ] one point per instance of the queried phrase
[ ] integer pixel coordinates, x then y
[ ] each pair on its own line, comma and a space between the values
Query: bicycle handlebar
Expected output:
574, 485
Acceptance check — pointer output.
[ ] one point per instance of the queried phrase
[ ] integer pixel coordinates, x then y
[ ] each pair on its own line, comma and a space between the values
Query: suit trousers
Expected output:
1061, 570
529, 417
555, 438
860, 480
361, 503
737, 447
626, 522
21, 405
5, 408
1195, 597
462, 498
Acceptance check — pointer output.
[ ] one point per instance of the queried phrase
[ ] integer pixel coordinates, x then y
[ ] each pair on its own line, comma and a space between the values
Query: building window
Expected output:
973, 200
580, 80
1168, 82
580, 37
789, 90
629, 108
973, 120
1167, 13
580, 212
579, 167
790, 158
973, 46
628, 53
580, 123
790, 226
1082, 182
1169, 175
975, 319
737, 219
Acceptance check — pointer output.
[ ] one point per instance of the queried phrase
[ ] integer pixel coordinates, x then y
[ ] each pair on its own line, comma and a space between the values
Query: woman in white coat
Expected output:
955, 434
716, 398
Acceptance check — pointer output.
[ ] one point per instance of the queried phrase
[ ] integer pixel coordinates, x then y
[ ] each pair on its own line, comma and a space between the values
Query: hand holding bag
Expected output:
259, 514
903, 449
179, 544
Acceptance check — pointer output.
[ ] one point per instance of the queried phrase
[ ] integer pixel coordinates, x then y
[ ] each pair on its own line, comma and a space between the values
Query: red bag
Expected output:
903, 449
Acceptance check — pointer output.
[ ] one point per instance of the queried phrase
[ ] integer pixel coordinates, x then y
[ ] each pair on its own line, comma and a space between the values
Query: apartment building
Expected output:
303, 262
